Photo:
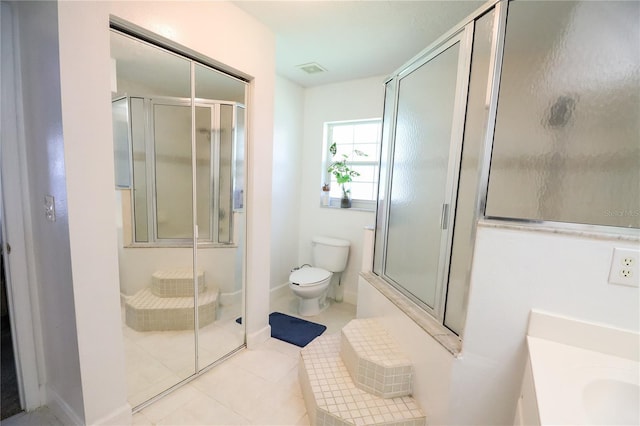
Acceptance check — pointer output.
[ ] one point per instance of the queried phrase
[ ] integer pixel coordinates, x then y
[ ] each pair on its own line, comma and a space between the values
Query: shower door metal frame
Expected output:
463, 36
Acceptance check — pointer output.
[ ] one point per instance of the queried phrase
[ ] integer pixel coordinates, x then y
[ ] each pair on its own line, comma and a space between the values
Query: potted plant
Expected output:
343, 173
326, 189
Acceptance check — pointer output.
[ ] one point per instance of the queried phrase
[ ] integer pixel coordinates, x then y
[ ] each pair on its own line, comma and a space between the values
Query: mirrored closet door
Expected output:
179, 166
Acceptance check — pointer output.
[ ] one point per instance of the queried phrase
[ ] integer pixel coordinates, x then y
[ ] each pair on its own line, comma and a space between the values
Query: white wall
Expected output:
351, 100
287, 168
514, 271
45, 163
137, 265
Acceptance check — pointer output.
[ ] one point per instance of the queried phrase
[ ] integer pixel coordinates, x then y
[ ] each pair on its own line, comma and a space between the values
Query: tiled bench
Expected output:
332, 398
373, 360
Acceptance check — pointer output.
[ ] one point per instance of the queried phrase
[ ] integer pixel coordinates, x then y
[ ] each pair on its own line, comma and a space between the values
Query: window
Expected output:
349, 137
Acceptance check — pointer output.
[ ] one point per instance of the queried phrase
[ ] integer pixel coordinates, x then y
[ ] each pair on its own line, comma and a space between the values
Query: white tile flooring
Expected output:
254, 387
156, 360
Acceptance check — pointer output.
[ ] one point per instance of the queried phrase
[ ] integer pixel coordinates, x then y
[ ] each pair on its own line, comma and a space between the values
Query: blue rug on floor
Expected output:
292, 330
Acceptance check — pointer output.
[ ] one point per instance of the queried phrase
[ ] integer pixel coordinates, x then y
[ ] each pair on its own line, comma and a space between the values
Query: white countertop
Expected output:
574, 385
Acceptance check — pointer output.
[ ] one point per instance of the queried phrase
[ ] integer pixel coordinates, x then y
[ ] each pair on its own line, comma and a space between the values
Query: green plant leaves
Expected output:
340, 169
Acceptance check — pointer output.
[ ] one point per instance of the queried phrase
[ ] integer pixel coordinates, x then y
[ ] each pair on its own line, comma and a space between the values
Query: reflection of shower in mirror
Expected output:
153, 158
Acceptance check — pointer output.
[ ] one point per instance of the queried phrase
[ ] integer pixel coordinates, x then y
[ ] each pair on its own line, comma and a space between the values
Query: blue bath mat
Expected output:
292, 330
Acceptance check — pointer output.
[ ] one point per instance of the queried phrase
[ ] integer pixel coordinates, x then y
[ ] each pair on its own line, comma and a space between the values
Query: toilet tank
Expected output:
330, 253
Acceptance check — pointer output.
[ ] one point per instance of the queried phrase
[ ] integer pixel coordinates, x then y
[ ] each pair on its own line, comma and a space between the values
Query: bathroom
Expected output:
505, 280
299, 114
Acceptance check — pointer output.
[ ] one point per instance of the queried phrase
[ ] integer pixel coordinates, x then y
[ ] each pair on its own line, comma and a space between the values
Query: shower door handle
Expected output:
444, 219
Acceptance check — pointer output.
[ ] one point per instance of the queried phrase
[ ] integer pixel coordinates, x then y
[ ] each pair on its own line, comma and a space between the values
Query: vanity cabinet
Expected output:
527, 409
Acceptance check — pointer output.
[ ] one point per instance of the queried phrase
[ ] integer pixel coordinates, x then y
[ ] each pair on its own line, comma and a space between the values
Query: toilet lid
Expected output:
308, 276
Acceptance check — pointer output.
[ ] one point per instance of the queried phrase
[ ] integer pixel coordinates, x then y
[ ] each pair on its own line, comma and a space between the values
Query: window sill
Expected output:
449, 340
180, 246
356, 205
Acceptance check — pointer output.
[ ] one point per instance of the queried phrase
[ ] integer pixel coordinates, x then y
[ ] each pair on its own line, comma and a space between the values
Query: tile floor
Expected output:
254, 387
156, 360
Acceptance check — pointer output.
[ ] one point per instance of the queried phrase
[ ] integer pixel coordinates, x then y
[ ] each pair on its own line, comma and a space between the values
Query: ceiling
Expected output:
353, 39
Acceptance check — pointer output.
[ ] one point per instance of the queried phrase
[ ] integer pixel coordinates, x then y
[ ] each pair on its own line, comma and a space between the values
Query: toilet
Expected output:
310, 283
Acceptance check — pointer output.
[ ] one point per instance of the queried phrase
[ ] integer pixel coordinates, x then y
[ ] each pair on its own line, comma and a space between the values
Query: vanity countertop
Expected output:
583, 373
574, 385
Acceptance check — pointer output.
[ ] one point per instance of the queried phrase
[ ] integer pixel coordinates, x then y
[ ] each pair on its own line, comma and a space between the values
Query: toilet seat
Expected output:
308, 276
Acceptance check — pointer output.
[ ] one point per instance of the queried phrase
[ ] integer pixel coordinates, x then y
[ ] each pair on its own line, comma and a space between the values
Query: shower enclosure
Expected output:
179, 144
529, 116
158, 170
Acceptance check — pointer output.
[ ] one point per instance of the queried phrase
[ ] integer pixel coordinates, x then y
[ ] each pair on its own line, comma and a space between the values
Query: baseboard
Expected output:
278, 291
228, 299
121, 416
61, 409
260, 336
351, 297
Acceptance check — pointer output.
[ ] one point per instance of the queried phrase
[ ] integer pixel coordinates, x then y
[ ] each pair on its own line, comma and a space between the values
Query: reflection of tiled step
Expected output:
147, 312
333, 399
175, 283
373, 360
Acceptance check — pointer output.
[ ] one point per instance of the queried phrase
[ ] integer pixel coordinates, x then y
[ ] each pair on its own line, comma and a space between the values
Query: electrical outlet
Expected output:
625, 265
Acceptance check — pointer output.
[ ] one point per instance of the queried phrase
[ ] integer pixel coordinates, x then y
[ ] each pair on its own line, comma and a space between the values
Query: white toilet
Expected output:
310, 283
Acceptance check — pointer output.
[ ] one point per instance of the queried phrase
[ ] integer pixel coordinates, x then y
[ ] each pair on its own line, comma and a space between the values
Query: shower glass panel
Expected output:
469, 180
219, 136
388, 129
419, 186
139, 169
571, 152
238, 159
173, 174
205, 142
226, 173
122, 161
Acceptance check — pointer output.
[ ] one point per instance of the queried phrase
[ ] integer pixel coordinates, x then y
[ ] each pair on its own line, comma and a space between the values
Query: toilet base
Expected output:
311, 307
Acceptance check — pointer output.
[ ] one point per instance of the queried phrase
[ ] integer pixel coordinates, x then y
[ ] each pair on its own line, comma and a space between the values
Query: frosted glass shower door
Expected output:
425, 167
566, 147
173, 171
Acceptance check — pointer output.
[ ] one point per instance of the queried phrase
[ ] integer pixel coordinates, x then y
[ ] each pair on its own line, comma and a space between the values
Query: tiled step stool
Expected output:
373, 360
168, 303
332, 398
175, 283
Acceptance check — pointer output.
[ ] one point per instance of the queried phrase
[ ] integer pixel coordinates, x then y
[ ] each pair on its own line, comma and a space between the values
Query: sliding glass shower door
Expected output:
424, 115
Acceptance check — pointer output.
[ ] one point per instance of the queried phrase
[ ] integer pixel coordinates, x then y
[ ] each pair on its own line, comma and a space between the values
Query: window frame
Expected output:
356, 203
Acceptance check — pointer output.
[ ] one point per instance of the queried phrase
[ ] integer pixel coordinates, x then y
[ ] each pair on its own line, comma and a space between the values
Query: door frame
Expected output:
22, 293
